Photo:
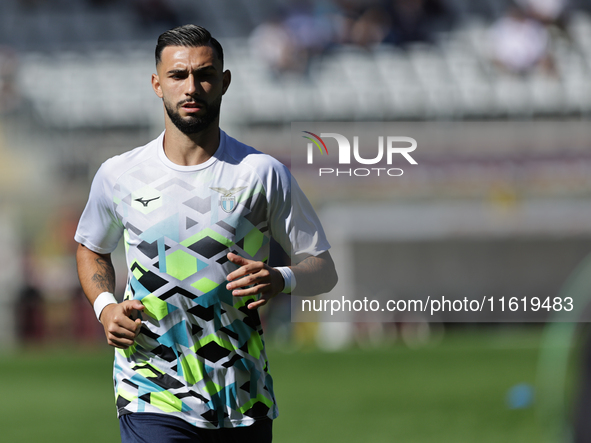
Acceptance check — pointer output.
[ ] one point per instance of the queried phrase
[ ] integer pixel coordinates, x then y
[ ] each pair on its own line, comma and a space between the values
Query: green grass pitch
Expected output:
454, 391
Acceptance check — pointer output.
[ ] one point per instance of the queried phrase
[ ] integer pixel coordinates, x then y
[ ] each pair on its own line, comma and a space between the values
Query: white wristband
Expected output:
288, 278
104, 299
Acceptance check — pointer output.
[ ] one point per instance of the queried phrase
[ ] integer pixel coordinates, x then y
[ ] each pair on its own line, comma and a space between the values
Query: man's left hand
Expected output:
265, 280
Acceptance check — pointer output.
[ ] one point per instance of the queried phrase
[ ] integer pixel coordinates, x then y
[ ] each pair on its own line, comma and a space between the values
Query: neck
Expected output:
191, 149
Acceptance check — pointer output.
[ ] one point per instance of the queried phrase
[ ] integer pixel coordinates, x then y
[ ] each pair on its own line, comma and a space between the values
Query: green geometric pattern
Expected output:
155, 307
208, 232
181, 264
205, 285
200, 355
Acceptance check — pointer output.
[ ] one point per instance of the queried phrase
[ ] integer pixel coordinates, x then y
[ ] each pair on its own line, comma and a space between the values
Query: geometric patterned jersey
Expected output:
200, 355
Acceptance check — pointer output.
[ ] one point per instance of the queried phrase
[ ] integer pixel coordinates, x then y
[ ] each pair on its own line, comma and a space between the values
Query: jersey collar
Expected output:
167, 162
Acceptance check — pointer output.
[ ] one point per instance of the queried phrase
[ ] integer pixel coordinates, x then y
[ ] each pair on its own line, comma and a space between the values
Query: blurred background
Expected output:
498, 96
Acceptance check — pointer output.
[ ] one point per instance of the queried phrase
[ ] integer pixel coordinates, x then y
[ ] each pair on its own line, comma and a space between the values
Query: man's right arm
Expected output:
97, 275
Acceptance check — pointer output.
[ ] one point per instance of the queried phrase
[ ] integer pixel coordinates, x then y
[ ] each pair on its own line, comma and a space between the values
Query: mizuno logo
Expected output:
145, 202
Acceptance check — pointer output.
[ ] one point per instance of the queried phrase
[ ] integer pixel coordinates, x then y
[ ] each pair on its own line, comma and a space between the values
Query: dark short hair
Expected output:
188, 36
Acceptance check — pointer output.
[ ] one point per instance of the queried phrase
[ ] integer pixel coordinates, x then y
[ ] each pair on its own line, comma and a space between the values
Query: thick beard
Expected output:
194, 125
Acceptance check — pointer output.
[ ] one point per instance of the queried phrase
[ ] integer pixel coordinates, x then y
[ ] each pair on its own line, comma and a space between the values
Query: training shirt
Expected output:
200, 354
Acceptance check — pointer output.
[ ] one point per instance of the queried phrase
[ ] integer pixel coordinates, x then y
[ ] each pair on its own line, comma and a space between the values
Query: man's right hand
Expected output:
120, 329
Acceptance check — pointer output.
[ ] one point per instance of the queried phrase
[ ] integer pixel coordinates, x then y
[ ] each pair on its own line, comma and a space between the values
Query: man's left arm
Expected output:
314, 275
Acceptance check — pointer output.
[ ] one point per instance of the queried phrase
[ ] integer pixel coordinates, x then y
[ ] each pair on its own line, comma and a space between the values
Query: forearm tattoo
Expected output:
104, 278
310, 264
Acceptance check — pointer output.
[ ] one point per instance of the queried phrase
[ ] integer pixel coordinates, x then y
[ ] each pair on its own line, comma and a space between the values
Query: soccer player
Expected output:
196, 209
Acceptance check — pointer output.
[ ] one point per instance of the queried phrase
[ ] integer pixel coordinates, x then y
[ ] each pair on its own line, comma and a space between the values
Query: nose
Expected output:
192, 86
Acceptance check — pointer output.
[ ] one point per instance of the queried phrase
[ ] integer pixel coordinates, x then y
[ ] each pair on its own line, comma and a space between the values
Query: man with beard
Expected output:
196, 209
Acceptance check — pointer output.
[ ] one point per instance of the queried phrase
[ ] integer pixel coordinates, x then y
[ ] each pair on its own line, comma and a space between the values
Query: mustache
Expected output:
192, 100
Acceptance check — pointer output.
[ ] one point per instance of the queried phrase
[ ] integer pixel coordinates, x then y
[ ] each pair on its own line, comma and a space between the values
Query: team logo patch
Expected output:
228, 197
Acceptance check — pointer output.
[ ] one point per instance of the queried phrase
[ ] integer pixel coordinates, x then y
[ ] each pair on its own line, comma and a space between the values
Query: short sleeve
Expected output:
292, 219
99, 228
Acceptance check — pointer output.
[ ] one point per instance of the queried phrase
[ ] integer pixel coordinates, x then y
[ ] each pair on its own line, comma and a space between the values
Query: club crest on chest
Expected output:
228, 197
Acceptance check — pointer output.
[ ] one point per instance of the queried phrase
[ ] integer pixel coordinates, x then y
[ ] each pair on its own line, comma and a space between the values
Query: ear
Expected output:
226, 80
156, 85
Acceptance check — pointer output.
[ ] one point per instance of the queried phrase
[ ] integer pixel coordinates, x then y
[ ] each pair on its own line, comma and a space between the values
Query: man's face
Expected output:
190, 81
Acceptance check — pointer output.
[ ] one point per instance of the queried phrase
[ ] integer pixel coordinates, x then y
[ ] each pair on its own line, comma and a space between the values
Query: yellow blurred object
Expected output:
305, 334
503, 196
11, 170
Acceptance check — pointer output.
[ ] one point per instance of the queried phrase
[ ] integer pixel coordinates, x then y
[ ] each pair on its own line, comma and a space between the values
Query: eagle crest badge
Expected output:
228, 197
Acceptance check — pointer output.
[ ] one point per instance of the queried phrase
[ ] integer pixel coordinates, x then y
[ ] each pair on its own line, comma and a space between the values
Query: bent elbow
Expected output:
331, 280
334, 279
